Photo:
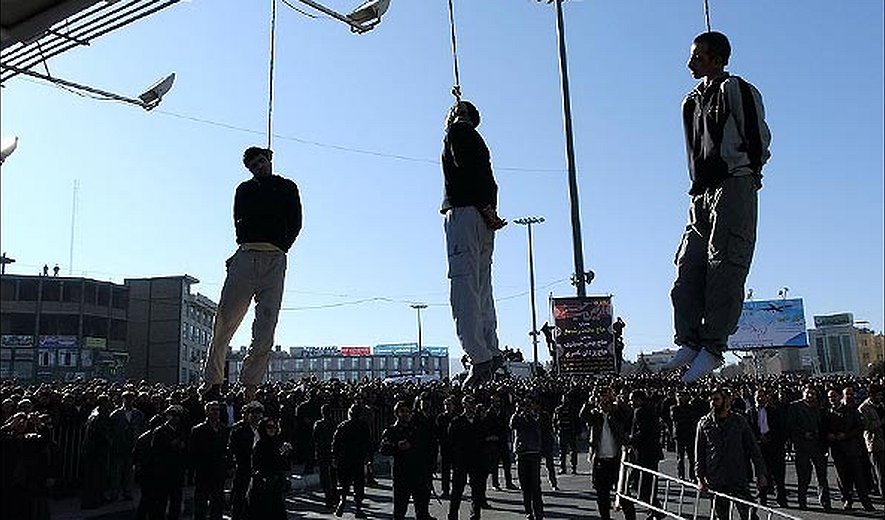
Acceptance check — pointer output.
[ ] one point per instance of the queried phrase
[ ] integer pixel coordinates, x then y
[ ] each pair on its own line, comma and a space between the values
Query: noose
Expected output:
273, 33
707, 14
456, 88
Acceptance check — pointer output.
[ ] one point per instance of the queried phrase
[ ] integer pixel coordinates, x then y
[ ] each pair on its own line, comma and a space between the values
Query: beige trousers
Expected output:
250, 274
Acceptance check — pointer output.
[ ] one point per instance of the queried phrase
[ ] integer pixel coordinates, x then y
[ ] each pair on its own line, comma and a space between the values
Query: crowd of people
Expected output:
164, 437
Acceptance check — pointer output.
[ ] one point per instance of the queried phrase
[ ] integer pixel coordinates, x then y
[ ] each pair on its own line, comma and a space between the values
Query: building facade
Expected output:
841, 346
170, 329
62, 328
349, 362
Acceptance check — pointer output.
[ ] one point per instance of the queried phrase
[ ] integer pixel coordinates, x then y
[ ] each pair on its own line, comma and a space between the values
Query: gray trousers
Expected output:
469, 244
712, 263
250, 274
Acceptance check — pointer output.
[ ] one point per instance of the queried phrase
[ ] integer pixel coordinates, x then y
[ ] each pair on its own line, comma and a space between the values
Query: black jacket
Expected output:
467, 169
413, 462
352, 443
468, 438
208, 447
268, 209
723, 449
240, 443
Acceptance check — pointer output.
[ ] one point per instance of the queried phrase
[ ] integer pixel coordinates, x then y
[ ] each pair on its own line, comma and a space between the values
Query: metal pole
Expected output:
570, 156
418, 307
532, 289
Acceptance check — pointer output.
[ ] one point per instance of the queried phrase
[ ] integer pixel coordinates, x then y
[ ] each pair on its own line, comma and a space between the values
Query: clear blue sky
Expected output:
156, 188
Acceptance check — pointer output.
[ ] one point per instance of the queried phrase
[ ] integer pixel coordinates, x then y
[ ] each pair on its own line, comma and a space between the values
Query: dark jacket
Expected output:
468, 437
352, 443
777, 425
645, 434
207, 451
412, 461
323, 430
685, 421
806, 426
845, 420
618, 424
528, 433
723, 450
239, 447
268, 209
467, 169
725, 132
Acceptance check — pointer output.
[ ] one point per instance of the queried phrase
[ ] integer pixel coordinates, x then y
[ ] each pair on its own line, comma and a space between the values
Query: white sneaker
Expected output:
684, 356
703, 364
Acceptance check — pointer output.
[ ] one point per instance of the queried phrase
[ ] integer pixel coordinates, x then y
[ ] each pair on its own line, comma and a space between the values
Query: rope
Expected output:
707, 14
273, 34
456, 88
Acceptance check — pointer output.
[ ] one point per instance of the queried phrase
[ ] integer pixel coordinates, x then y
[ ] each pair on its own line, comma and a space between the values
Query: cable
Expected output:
300, 11
707, 14
273, 36
456, 88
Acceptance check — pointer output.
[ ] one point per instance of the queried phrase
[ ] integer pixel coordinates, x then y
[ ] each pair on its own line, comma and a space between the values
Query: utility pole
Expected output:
528, 222
418, 307
580, 277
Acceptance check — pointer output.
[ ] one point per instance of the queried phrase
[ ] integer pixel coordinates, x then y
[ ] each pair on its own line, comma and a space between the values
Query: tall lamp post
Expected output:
580, 278
419, 307
528, 222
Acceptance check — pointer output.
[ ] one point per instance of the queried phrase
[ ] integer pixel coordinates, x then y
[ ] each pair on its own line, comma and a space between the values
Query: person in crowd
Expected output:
548, 446
270, 482
208, 455
805, 420
844, 427
422, 419
444, 441
169, 449
527, 429
351, 446
608, 427
242, 439
95, 454
126, 424
498, 446
767, 421
323, 430
565, 421
618, 335
411, 445
684, 418
467, 432
724, 446
268, 218
873, 411
644, 447
727, 141
471, 218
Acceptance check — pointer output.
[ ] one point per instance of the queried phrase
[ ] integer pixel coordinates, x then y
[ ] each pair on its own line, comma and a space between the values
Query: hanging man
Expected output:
727, 143
471, 219
267, 218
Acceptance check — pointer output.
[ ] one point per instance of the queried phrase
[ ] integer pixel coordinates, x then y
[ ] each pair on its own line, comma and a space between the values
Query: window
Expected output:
104, 295
51, 290
17, 323
45, 358
27, 290
67, 358
120, 298
7, 290
367, 364
95, 326
118, 330
354, 363
382, 363
59, 324
71, 291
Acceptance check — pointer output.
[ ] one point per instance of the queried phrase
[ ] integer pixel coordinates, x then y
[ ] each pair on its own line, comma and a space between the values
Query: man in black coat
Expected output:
243, 437
127, 424
684, 416
208, 445
411, 447
766, 419
450, 411
323, 430
169, 449
645, 446
467, 433
351, 446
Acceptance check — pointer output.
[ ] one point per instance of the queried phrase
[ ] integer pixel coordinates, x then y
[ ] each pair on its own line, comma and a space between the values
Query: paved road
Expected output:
573, 501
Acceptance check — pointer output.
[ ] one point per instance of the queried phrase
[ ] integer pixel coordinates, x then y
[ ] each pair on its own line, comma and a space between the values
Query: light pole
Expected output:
580, 278
418, 307
527, 222
783, 292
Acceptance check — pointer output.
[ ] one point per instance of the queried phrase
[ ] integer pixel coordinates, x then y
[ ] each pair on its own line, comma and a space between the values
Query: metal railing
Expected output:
683, 500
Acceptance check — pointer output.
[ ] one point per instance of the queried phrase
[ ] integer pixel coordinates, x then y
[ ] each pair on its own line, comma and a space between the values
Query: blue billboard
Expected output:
770, 324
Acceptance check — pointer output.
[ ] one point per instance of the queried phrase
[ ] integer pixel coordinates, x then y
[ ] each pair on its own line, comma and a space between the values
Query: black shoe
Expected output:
339, 511
847, 506
782, 502
359, 513
512, 487
479, 373
868, 506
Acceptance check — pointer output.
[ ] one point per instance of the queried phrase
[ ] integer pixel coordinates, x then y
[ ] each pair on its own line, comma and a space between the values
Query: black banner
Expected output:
584, 340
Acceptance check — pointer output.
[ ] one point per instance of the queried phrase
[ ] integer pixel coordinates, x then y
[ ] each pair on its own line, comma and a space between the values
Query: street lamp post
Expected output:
527, 222
418, 307
580, 277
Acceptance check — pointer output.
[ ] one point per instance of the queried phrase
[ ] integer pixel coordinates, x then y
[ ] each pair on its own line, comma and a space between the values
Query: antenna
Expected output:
73, 219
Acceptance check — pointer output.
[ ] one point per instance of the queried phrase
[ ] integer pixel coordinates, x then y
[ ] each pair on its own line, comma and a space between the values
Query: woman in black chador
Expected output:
270, 482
